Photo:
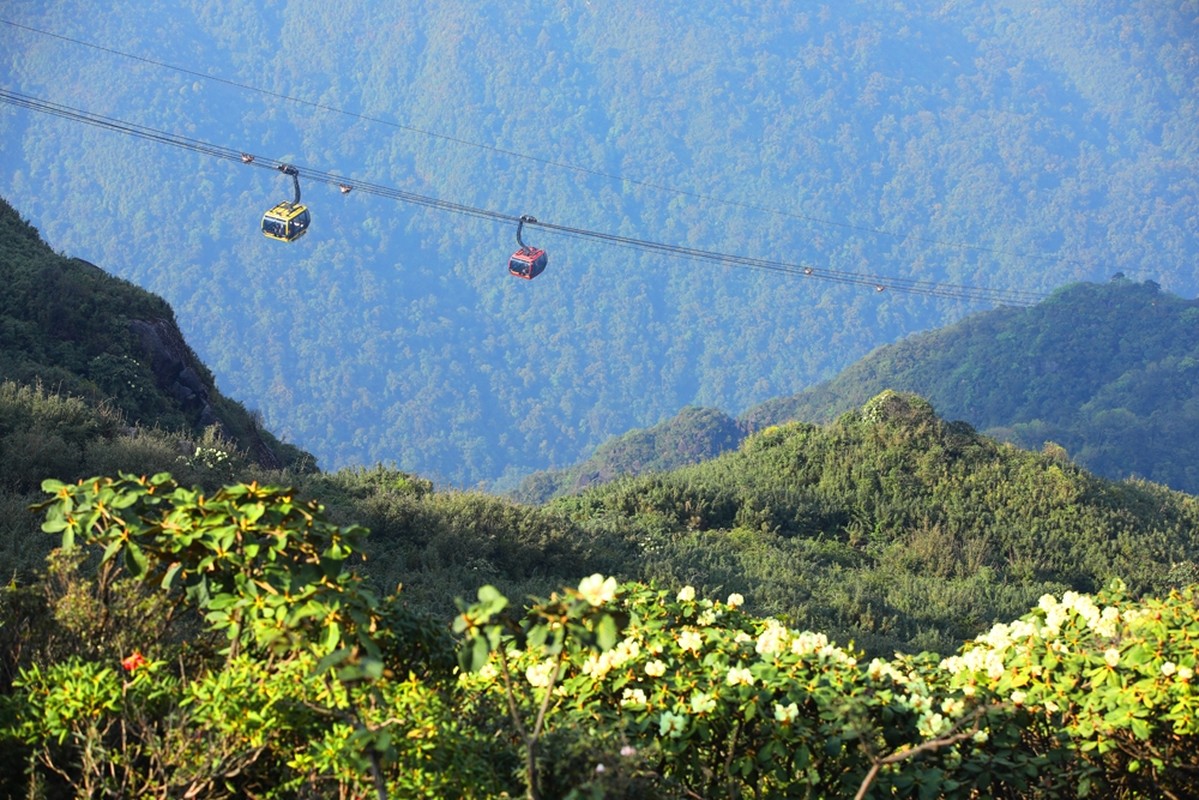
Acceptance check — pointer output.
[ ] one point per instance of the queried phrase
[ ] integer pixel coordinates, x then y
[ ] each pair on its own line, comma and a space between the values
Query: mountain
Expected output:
1014, 146
95, 377
691, 436
893, 527
888, 525
1108, 371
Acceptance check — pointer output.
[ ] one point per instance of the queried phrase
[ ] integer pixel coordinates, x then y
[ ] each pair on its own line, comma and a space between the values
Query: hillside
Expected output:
691, 436
894, 528
1108, 371
888, 530
887, 525
96, 377
1007, 146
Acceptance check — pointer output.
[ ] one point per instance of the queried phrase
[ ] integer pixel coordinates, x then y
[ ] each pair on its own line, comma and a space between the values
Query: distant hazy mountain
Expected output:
691, 436
1108, 371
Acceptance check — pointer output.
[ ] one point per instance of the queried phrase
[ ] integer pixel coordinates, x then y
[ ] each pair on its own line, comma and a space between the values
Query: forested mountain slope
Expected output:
999, 145
691, 436
95, 377
1108, 371
893, 527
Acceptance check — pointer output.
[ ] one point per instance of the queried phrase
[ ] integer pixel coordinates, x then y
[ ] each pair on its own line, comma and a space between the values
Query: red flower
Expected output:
133, 662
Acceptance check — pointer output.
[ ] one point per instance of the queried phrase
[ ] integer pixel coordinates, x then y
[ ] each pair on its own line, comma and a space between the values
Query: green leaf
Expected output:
111, 550
606, 632
332, 635
478, 654
52, 486
332, 660
135, 560
172, 571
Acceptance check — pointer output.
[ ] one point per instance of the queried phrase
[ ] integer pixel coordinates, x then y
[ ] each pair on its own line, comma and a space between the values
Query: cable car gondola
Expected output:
527, 262
287, 221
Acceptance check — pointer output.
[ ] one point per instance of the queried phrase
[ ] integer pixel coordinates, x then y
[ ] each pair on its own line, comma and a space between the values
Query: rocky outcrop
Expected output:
178, 372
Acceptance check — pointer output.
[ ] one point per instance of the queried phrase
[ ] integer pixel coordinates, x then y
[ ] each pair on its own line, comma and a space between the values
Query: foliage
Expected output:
71, 331
307, 689
893, 528
1112, 677
712, 702
269, 572
604, 690
691, 436
1105, 371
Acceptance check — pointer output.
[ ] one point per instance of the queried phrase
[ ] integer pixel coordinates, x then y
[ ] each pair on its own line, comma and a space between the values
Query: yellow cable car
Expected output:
287, 221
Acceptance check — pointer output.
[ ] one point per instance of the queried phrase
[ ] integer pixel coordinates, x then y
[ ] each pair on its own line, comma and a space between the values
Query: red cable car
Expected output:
527, 262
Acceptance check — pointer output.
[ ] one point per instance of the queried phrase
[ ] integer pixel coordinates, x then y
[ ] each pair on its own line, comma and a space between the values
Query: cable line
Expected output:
965, 246
879, 283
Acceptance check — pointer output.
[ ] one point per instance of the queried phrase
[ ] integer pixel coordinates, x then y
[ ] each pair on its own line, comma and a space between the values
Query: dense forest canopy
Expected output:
975, 143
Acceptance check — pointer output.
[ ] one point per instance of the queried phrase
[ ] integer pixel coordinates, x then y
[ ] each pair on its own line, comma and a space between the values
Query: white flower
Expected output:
541, 673
735, 600
932, 725
1112, 656
1108, 623
786, 714
1185, 674
878, 668
655, 669
702, 703
808, 642
952, 706
772, 639
1018, 697
598, 590
686, 594
632, 697
739, 676
691, 640
1169, 668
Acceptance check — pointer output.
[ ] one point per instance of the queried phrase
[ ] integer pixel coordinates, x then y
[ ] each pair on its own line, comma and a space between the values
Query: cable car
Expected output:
287, 221
527, 262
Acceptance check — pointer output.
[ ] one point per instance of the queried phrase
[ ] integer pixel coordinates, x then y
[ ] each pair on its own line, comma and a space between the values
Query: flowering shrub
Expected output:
1111, 678
601, 691
717, 703
1082, 695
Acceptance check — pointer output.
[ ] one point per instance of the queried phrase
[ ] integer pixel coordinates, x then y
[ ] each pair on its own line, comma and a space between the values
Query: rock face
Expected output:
171, 362
177, 371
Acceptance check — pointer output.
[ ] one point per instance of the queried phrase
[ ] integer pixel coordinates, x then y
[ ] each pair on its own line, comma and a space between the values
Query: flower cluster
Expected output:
698, 682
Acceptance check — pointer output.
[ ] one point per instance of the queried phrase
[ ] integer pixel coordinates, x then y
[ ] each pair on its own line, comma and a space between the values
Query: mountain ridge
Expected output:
1065, 371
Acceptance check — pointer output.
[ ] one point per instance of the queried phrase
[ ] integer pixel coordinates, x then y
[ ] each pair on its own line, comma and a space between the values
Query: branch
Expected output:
956, 734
